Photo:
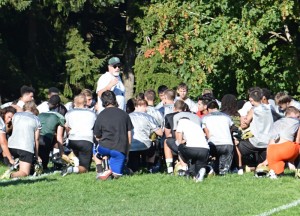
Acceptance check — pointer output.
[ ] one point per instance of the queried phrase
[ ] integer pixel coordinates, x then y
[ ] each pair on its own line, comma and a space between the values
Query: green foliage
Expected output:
82, 66
19, 5
227, 45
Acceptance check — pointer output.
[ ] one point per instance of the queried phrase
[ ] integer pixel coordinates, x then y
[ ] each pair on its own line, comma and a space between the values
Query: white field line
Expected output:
280, 208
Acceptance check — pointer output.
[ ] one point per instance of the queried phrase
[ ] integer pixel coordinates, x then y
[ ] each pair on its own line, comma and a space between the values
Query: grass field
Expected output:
148, 194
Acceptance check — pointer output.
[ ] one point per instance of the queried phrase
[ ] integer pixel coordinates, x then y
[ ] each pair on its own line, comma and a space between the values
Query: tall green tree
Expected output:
57, 43
224, 44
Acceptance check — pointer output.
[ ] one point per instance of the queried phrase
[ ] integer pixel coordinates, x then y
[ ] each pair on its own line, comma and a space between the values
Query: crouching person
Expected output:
113, 131
282, 147
142, 147
192, 146
79, 125
24, 141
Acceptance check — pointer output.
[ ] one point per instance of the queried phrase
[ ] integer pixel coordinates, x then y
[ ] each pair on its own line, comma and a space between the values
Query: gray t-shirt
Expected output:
25, 125
144, 125
155, 114
285, 128
260, 126
81, 122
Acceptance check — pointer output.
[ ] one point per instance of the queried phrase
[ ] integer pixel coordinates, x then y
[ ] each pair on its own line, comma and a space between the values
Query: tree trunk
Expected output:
129, 55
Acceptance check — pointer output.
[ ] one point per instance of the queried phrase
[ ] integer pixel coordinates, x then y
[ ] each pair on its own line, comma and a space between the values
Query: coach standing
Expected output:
111, 80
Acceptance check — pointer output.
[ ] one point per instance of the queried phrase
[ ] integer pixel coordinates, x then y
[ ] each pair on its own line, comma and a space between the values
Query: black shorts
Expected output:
23, 156
172, 145
246, 148
83, 149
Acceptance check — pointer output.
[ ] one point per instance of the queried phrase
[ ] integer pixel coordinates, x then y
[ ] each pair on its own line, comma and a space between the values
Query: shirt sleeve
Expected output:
167, 123
204, 122
103, 82
61, 119
97, 128
2, 126
129, 124
38, 124
180, 126
175, 121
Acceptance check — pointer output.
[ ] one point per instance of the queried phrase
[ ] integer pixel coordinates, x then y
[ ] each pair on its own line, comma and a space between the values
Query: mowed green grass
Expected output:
148, 194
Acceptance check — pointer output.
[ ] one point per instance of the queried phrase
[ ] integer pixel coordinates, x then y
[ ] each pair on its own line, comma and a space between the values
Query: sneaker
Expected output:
16, 164
240, 172
6, 174
67, 170
272, 174
181, 172
104, 175
201, 174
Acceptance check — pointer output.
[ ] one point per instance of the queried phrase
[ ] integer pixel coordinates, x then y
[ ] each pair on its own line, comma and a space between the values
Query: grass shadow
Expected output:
25, 181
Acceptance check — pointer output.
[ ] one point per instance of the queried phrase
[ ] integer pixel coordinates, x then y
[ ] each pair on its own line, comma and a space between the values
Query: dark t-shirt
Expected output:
50, 121
169, 122
112, 126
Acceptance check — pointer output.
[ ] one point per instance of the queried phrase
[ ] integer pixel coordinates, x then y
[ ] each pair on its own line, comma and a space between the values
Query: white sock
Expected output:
55, 150
75, 170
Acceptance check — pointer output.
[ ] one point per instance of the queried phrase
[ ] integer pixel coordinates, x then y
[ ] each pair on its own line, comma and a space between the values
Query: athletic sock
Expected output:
99, 168
169, 163
75, 170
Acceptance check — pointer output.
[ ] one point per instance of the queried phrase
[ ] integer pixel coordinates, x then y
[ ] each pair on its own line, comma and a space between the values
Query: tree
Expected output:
227, 45
57, 43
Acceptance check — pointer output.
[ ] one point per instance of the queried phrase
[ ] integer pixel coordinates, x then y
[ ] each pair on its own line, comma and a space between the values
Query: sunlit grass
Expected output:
147, 194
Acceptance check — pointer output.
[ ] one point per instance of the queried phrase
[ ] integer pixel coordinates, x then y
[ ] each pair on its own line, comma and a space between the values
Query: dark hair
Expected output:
253, 89
7, 110
256, 95
212, 105
130, 105
150, 95
26, 89
109, 98
140, 96
229, 105
266, 92
161, 89
282, 97
53, 90
240, 104
206, 98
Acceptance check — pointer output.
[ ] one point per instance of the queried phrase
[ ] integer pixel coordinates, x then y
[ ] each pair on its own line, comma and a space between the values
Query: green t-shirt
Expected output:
50, 121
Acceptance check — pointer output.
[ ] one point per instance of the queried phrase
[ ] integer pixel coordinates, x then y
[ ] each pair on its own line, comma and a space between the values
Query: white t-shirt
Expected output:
245, 109
295, 104
192, 133
118, 89
81, 122
192, 105
218, 125
43, 107
21, 104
